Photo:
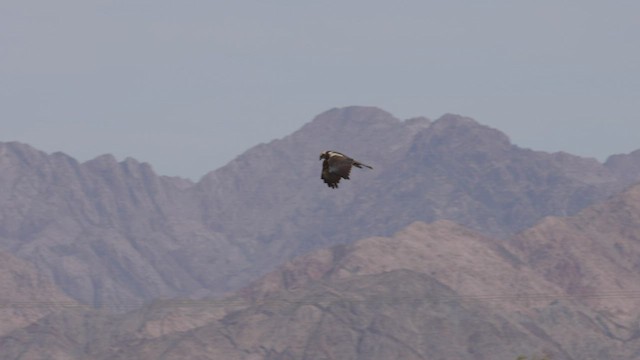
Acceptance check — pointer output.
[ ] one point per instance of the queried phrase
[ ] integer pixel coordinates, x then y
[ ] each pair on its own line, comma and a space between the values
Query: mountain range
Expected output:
430, 291
457, 234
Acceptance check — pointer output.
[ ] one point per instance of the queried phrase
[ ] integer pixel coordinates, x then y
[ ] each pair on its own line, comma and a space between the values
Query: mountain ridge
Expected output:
435, 290
112, 232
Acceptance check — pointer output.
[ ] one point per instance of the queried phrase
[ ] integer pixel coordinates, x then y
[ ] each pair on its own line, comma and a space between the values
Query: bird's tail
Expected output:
360, 165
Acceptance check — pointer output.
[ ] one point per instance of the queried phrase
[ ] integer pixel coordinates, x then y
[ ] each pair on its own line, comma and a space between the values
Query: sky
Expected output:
189, 85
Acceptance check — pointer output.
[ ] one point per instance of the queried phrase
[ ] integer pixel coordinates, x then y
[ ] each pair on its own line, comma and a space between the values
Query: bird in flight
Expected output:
337, 166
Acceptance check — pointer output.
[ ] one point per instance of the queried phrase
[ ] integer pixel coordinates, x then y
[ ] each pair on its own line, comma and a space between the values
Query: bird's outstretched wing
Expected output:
331, 179
340, 165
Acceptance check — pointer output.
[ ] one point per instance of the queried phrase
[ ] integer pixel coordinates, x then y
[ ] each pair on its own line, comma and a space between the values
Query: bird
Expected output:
337, 166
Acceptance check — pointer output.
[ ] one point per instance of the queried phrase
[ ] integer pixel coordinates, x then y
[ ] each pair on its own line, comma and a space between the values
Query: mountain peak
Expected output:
355, 114
459, 123
454, 134
626, 166
103, 161
355, 111
451, 118
23, 153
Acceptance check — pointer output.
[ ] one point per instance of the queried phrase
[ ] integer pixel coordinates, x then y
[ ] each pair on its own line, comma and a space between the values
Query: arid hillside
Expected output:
116, 234
565, 288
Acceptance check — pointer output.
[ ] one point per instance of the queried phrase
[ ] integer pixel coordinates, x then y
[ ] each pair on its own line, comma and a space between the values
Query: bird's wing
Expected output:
331, 179
340, 165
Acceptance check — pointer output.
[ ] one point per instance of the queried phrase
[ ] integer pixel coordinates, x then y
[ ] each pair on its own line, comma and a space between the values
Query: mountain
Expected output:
593, 256
103, 230
26, 296
115, 234
625, 166
429, 291
453, 168
443, 291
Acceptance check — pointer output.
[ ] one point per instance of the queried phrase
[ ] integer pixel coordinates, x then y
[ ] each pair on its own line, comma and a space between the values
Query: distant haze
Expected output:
189, 85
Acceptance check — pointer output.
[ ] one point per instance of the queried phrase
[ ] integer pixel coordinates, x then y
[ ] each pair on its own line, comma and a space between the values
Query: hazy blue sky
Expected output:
188, 85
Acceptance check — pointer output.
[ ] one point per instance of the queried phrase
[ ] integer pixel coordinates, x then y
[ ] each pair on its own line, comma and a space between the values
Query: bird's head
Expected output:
324, 155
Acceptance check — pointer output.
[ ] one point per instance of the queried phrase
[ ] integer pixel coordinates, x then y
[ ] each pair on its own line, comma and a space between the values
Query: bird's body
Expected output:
337, 166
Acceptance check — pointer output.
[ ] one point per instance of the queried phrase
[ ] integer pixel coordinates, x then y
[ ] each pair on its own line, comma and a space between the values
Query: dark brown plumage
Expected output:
337, 166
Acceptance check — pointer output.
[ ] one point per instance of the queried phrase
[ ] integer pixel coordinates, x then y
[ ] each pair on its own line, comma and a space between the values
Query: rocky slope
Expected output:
26, 295
452, 168
567, 287
116, 234
106, 232
594, 257
430, 291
